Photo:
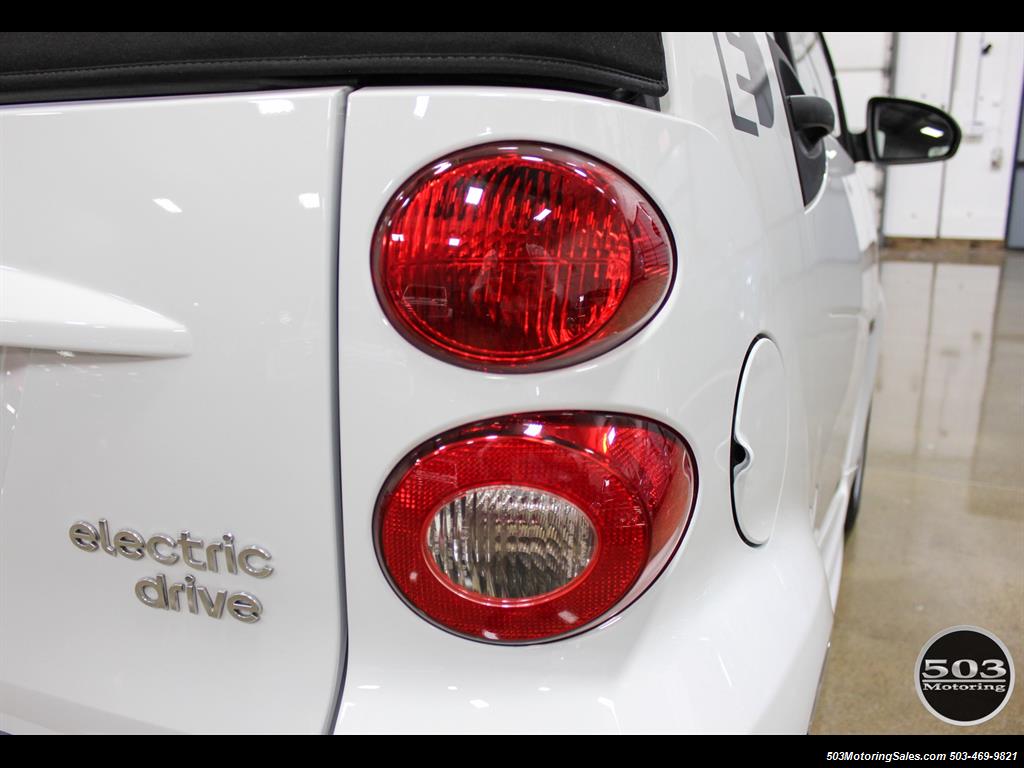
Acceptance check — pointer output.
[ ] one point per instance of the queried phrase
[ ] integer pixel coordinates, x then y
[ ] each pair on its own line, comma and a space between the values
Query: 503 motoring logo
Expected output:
964, 675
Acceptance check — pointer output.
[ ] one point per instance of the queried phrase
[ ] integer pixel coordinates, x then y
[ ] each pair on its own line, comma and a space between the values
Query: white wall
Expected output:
862, 61
862, 66
968, 196
986, 103
924, 71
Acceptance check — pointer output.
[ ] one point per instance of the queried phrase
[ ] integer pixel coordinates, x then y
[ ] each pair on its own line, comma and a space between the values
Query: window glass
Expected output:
812, 68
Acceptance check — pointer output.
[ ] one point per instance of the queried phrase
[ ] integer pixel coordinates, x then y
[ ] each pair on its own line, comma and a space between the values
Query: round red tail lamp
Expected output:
520, 257
531, 527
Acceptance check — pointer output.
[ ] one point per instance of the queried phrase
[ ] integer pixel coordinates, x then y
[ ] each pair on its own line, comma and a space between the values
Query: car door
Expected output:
840, 282
169, 554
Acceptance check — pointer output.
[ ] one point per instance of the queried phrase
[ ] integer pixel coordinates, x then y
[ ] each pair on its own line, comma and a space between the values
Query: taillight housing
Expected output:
530, 527
520, 257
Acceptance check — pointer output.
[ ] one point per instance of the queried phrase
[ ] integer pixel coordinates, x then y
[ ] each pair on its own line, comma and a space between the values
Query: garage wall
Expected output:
986, 103
923, 72
978, 77
862, 61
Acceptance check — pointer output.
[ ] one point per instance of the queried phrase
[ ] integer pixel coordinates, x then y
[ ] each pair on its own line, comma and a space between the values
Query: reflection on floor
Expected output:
940, 539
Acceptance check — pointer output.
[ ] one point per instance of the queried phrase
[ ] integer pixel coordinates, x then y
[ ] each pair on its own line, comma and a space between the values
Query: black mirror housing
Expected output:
901, 132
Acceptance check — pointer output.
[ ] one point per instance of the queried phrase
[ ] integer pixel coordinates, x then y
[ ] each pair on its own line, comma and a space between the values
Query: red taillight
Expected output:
529, 527
508, 256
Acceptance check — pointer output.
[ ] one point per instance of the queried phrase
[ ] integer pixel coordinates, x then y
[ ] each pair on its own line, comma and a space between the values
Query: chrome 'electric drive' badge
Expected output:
193, 552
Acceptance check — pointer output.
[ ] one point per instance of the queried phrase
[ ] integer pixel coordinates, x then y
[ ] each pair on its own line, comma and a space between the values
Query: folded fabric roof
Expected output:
59, 66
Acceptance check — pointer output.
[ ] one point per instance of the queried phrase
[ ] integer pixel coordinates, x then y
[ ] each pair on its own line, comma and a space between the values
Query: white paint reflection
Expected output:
610, 706
274, 106
167, 205
934, 358
13, 367
725, 670
420, 110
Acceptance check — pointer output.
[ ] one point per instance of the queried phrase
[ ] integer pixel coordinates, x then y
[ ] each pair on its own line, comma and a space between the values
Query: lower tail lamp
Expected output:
520, 257
530, 527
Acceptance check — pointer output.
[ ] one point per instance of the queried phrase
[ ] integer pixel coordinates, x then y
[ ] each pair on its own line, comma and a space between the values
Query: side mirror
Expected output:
901, 131
813, 117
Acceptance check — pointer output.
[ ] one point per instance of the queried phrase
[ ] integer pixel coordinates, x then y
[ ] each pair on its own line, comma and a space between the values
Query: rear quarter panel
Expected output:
730, 638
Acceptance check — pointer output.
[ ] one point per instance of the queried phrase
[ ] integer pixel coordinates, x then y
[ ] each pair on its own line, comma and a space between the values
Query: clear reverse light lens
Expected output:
510, 541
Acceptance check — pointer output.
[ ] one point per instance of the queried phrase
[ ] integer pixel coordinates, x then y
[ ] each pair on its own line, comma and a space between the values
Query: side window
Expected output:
811, 162
812, 68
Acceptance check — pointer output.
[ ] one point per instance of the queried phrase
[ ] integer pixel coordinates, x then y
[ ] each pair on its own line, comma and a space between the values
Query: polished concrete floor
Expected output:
940, 539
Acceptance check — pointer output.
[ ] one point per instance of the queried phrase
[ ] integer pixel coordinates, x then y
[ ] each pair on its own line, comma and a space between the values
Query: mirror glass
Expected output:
909, 132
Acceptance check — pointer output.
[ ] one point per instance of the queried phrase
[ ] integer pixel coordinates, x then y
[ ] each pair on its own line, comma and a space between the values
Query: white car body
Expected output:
191, 340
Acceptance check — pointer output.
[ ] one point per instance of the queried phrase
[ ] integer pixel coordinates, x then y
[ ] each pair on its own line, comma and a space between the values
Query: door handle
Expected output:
813, 117
41, 312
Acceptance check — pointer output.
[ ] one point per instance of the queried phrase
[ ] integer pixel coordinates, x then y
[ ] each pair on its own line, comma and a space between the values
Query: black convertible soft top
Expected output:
60, 66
